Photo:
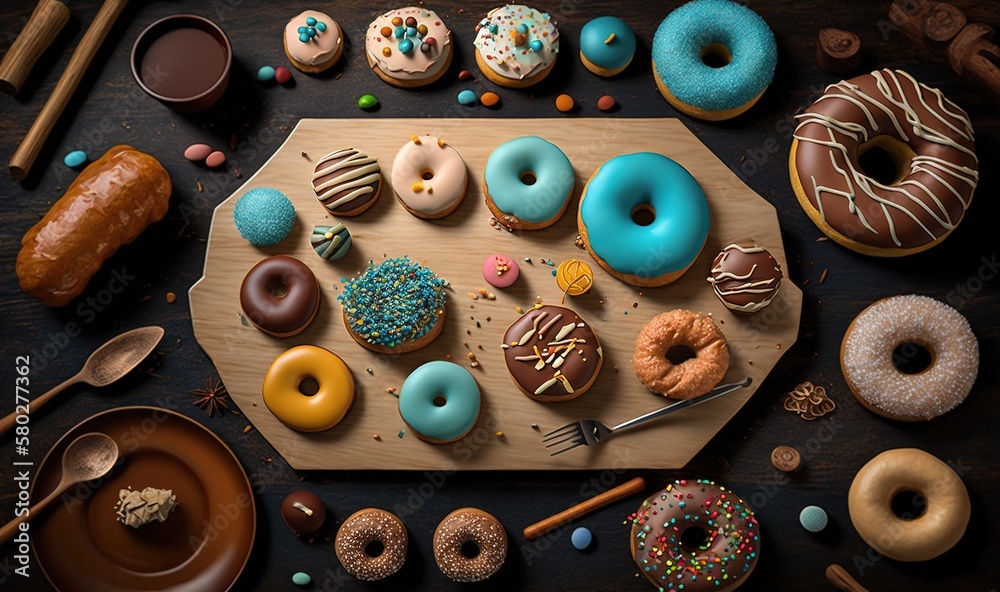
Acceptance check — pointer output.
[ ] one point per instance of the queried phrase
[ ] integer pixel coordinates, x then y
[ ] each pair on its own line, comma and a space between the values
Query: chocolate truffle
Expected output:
745, 279
303, 512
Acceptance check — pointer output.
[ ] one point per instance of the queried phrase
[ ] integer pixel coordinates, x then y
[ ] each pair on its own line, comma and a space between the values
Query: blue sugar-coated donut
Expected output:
633, 252
264, 216
685, 34
456, 410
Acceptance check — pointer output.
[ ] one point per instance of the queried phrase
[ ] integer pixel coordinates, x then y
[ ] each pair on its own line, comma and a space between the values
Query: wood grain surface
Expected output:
455, 248
109, 108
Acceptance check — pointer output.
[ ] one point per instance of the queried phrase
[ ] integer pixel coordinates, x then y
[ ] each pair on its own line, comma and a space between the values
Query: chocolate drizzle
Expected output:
347, 180
552, 353
745, 279
928, 202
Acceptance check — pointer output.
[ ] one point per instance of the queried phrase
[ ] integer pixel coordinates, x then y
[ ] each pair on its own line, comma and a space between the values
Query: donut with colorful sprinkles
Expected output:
516, 45
395, 306
694, 536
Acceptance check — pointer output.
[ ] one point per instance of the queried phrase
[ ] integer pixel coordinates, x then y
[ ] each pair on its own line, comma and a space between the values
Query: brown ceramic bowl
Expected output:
183, 61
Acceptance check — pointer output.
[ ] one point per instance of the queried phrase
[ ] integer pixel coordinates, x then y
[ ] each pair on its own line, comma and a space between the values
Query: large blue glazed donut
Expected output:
439, 401
528, 182
622, 192
724, 30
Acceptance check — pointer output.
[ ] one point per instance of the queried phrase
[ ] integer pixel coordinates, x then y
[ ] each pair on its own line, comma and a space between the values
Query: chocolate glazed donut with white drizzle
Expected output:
930, 142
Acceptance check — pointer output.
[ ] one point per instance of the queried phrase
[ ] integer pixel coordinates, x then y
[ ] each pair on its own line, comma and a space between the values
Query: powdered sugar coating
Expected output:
464, 525
362, 528
867, 357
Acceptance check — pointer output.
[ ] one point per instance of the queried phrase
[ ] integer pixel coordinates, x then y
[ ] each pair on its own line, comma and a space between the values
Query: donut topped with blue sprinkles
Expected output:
264, 216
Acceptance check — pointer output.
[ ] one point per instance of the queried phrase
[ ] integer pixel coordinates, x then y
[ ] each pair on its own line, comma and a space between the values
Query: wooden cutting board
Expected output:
455, 248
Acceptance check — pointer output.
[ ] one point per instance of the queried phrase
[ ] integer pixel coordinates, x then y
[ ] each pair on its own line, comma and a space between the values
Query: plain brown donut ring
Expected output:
692, 377
466, 525
909, 469
360, 530
280, 295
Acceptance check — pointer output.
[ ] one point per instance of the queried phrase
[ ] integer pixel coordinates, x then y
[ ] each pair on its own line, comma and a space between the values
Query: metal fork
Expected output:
588, 432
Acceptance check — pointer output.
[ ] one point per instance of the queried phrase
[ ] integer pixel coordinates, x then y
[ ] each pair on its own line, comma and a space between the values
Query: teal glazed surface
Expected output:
553, 172
680, 225
612, 55
440, 379
681, 37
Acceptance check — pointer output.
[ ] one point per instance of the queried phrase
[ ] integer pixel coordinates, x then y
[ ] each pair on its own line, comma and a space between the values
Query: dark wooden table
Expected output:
110, 109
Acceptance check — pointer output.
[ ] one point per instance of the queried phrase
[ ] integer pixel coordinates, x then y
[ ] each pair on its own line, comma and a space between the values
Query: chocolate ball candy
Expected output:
303, 512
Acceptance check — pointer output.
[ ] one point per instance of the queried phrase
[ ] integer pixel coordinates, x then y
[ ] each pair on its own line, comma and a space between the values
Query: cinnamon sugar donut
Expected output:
354, 543
691, 377
901, 471
886, 333
460, 528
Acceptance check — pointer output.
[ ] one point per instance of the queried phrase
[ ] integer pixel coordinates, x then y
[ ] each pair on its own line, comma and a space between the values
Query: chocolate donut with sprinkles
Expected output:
395, 306
694, 536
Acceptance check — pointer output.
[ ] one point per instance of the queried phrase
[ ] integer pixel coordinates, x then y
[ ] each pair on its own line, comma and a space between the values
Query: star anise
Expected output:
213, 398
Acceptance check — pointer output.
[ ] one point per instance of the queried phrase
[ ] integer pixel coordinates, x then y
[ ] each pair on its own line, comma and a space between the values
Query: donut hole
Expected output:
470, 549
911, 357
885, 159
528, 178
908, 505
427, 174
279, 290
694, 539
439, 401
678, 354
643, 214
374, 548
716, 55
308, 386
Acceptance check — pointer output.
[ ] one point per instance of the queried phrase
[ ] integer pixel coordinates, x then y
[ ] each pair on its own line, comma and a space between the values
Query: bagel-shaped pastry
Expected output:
355, 540
643, 218
712, 59
662, 351
470, 527
910, 358
695, 536
916, 474
287, 377
280, 295
528, 183
552, 354
516, 45
439, 402
929, 140
429, 177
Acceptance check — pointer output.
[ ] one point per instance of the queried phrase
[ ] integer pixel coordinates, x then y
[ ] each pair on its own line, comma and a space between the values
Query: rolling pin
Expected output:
32, 143
48, 18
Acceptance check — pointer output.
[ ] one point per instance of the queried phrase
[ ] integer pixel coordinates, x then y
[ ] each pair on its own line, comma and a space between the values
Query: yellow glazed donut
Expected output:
283, 384
915, 472
885, 338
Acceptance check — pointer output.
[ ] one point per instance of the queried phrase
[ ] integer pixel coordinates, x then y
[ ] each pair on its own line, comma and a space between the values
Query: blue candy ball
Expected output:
321, 26
265, 74
813, 518
311, 21
301, 578
75, 158
522, 28
494, 28
264, 216
535, 45
406, 46
581, 538
400, 31
467, 97
411, 31
304, 38
311, 31
301, 30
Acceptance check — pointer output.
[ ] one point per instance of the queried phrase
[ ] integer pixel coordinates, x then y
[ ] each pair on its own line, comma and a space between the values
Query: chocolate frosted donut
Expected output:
353, 544
552, 353
745, 279
347, 181
930, 141
470, 527
280, 295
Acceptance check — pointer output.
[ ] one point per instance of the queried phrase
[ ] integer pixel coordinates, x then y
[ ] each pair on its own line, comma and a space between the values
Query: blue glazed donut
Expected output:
607, 45
528, 182
439, 402
722, 31
625, 193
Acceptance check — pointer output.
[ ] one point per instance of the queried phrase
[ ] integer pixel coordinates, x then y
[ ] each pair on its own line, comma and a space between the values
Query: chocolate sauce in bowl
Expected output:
183, 62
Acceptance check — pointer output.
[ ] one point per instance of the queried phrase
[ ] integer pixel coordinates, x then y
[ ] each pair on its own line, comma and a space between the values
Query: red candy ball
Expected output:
282, 75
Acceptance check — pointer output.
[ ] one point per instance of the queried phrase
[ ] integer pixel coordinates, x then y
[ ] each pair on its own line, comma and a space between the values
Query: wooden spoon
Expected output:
87, 458
107, 364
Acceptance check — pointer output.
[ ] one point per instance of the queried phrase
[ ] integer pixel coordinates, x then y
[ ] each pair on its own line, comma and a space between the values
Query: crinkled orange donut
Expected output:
677, 330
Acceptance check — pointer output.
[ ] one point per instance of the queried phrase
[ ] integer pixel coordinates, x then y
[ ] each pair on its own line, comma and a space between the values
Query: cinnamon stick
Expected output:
942, 22
598, 501
842, 580
43, 26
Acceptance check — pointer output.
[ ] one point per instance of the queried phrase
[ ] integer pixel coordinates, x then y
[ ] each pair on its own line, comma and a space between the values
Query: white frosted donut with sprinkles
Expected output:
895, 333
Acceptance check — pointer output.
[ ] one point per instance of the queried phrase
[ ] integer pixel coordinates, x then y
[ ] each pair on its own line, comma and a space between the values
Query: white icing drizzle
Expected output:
358, 181
905, 196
